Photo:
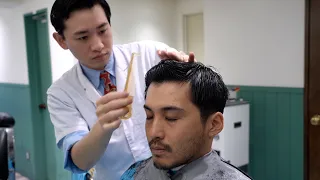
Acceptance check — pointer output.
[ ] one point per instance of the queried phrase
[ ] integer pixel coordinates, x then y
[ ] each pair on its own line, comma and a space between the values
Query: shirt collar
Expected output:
94, 75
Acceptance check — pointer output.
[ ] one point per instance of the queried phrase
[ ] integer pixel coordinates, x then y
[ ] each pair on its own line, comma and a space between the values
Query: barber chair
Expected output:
7, 159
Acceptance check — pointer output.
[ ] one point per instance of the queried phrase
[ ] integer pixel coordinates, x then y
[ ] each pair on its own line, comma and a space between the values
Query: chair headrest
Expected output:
6, 120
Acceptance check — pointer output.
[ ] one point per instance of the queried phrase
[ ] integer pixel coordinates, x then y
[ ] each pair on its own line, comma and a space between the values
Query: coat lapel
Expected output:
122, 62
91, 93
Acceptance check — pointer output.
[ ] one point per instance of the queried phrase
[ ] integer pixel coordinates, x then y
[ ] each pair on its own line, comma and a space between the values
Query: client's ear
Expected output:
215, 124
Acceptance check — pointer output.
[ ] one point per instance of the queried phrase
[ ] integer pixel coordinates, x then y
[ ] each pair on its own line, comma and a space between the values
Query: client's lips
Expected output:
158, 150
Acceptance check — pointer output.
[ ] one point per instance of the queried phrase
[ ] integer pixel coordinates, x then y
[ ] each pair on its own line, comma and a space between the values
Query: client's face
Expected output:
174, 130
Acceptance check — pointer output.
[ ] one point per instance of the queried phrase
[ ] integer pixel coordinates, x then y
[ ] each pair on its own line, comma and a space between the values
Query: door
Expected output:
194, 35
312, 91
48, 160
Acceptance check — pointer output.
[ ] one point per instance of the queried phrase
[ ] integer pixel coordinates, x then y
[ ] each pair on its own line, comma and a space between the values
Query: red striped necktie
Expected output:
108, 86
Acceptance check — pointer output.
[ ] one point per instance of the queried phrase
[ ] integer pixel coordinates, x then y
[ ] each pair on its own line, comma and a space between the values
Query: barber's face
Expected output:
174, 129
88, 35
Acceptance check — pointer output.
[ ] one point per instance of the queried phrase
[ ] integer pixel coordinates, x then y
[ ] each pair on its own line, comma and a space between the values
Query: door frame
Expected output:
306, 89
39, 155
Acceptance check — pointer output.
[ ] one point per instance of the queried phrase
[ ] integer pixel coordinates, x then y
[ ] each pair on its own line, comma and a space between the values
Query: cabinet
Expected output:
233, 142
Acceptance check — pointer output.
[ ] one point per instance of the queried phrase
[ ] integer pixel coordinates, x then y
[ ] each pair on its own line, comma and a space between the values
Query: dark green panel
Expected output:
271, 136
283, 134
15, 100
276, 132
296, 140
37, 121
248, 96
259, 134
44, 69
49, 160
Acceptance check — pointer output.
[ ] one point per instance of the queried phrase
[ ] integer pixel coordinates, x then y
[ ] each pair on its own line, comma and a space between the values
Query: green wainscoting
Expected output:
276, 132
15, 99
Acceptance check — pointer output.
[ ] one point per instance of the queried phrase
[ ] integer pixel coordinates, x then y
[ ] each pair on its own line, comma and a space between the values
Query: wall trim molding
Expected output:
270, 89
13, 85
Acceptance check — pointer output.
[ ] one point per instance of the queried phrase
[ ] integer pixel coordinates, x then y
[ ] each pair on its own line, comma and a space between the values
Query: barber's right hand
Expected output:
110, 108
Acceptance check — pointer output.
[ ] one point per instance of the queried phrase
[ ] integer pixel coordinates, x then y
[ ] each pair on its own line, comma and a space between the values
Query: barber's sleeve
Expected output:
68, 124
66, 145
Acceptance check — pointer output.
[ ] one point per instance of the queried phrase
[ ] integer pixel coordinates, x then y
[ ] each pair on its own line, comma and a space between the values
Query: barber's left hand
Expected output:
176, 55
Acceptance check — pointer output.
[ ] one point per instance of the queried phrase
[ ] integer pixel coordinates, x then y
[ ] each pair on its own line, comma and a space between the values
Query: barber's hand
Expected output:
176, 55
110, 108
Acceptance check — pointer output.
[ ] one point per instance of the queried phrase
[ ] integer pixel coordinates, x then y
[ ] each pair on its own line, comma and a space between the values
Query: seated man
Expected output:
184, 106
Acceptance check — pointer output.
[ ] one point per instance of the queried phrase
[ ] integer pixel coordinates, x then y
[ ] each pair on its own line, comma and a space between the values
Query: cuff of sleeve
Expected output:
68, 143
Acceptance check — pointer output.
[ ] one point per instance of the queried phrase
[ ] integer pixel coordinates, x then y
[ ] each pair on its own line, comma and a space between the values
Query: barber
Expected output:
107, 143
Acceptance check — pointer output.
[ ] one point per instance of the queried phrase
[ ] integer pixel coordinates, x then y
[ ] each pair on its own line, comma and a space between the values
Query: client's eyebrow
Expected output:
172, 108
166, 108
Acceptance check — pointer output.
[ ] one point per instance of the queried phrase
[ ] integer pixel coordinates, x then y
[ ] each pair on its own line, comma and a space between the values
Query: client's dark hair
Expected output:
208, 91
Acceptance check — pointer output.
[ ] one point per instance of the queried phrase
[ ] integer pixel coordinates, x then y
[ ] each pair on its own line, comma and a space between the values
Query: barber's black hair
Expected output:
62, 9
208, 91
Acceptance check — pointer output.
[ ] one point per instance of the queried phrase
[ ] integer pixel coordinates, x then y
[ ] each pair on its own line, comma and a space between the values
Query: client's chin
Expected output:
162, 166
167, 166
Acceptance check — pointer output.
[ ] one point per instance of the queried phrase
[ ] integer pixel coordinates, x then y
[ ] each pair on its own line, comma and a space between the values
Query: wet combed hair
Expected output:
62, 9
208, 91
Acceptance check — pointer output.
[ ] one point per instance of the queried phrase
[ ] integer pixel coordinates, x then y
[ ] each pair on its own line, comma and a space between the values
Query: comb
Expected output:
127, 88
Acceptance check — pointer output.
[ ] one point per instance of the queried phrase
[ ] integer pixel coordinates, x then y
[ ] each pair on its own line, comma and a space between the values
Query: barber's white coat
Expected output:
72, 98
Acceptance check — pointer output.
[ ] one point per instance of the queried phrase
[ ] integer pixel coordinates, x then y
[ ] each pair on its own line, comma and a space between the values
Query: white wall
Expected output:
144, 19
13, 65
250, 42
4, 46
10, 3
256, 42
